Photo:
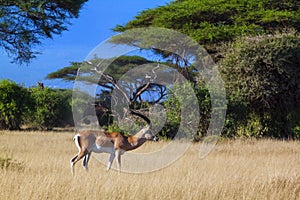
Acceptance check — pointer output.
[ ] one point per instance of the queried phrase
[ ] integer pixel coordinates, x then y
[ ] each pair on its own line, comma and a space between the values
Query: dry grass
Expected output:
264, 169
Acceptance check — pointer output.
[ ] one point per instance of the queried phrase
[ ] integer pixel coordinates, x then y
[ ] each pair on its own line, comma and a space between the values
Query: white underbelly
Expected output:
99, 149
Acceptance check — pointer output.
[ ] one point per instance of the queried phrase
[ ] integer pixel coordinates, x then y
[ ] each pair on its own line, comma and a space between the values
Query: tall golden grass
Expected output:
265, 169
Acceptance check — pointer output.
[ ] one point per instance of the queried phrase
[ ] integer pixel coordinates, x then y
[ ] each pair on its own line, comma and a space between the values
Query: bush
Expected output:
172, 106
52, 108
15, 102
43, 109
262, 77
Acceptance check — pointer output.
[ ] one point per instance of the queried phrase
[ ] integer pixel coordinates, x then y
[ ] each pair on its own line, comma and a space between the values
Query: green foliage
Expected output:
67, 73
114, 128
14, 103
52, 108
262, 77
43, 109
214, 21
296, 131
173, 109
172, 106
23, 24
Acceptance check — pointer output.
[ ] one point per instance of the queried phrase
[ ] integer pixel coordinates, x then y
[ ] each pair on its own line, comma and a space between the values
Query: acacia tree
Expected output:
214, 22
210, 23
143, 87
23, 24
133, 90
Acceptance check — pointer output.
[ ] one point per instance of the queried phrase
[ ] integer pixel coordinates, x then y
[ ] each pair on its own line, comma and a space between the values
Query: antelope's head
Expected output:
146, 132
150, 135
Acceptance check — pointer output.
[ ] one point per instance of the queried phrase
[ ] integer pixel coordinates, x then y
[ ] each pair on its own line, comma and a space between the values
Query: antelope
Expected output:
113, 143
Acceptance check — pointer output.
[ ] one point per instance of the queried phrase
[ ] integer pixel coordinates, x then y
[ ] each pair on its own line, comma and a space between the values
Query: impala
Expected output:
113, 143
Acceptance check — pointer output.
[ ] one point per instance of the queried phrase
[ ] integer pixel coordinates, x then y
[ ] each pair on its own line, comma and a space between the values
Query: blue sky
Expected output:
93, 26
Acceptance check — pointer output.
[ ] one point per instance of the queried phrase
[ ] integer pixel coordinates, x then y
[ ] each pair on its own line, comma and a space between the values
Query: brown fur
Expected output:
115, 140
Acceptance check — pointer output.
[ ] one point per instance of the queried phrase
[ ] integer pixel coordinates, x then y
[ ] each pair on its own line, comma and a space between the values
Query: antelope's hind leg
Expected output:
72, 164
75, 159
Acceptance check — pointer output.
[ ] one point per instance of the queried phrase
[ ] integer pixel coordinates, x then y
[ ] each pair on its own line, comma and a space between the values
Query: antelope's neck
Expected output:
138, 139
135, 142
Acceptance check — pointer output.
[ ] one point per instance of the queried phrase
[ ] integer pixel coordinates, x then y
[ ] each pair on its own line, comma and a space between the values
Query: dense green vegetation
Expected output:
173, 111
14, 103
262, 76
52, 108
34, 107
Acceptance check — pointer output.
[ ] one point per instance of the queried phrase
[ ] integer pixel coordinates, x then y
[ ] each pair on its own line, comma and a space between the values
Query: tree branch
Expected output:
109, 78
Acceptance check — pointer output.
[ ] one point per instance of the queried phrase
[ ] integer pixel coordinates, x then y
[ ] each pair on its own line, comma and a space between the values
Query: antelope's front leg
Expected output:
86, 161
118, 154
111, 159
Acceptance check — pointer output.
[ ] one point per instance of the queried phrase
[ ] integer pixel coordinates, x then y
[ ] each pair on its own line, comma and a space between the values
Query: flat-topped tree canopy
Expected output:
117, 68
211, 22
114, 74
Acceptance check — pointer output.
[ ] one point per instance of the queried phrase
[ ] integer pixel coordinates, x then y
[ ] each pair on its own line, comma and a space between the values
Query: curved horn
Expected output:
134, 112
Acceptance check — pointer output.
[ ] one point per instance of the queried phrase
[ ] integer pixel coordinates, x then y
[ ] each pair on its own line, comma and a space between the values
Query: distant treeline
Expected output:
36, 107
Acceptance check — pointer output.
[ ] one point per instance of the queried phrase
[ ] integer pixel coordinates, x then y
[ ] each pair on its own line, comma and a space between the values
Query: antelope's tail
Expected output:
76, 140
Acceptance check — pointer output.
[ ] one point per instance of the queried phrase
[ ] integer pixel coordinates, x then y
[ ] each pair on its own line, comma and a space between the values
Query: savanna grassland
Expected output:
35, 165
